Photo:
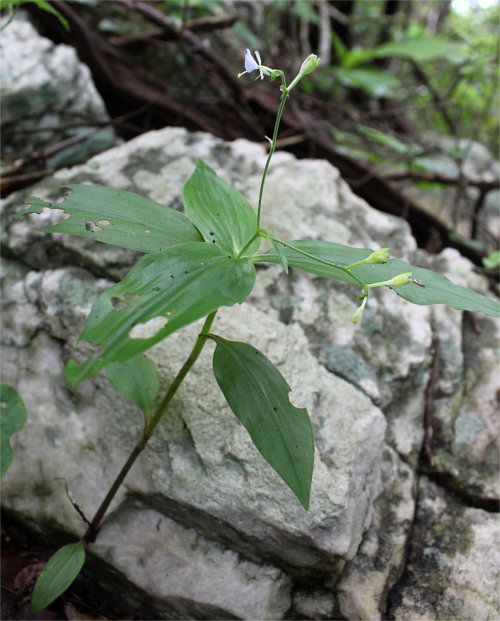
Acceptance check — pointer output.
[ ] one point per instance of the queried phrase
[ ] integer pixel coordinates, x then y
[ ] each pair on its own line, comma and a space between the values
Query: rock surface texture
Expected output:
203, 527
48, 97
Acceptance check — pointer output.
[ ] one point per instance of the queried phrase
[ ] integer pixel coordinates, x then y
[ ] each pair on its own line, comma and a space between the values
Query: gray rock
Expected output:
469, 456
453, 568
207, 447
186, 574
228, 479
45, 86
366, 580
364, 387
314, 604
463, 425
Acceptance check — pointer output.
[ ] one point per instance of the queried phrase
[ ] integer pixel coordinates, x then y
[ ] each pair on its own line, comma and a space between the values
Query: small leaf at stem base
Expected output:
59, 573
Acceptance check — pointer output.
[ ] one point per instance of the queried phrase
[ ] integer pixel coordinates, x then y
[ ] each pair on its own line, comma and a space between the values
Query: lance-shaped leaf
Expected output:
137, 379
257, 393
119, 218
13, 417
220, 212
427, 287
321, 251
174, 288
57, 575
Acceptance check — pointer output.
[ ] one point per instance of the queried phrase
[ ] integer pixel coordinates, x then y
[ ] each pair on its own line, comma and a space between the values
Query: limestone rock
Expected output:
203, 444
367, 579
46, 87
453, 569
227, 479
188, 575
463, 425
466, 421
314, 603
363, 386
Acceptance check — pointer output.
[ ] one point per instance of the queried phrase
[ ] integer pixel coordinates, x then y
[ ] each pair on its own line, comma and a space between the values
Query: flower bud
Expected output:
400, 279
396, 281
359, 311
379, 256
308, 66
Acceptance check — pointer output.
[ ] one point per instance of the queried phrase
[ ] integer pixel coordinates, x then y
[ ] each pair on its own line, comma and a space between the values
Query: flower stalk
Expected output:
251, 65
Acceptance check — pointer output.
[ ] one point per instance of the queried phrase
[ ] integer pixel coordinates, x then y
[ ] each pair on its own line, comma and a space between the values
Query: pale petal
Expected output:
250, 64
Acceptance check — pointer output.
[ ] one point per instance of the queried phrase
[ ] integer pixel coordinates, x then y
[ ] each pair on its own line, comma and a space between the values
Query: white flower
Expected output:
252, 65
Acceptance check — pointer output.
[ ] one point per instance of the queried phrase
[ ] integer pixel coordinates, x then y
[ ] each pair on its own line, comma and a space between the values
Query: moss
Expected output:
76, 292
42, 489
348, 364
88, 447
448, 606
467, 427
454, 534
52, 434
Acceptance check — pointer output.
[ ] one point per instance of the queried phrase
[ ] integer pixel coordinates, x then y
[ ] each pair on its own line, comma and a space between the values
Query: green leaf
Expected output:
174, 287
492, 260
13, 419
119, 218
220, 212
421, 50
387, 140
57, 575
374, 81
357, 57
13, 5
434, 288
258, 395
137, 379
435, 165
45, 6
329, 251
281, 254
341, 50
304, 11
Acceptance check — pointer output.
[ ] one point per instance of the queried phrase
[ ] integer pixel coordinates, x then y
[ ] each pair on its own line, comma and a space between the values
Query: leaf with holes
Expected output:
119, 218
58, 574
258, 395
13, 418
137, 379
166, 291
220, 212
427, 287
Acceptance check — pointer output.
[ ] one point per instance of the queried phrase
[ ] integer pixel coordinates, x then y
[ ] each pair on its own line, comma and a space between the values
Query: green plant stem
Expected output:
149, 428
283, 99
258, 233
344, 268
349, 267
